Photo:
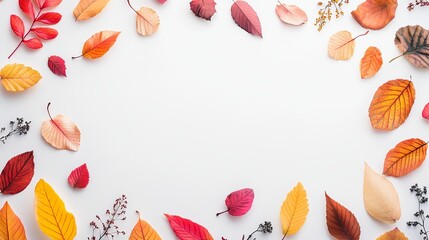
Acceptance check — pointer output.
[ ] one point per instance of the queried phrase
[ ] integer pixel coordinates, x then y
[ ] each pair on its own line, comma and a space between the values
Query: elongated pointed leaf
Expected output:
49, 18
246, 18
185, 229
11, 227
45, 33
87, 9
27, 7
17, 77
342, 224
371, 62
17, 173
294, 210
99, 44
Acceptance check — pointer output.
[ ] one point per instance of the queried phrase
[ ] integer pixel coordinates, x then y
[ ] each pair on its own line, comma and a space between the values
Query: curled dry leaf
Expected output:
371, 62
143, 231
17, 173
11, 227
294, 210
341, 45
375, 14
395, 234
98, 44
413, 42
405, 157
391, 104
291, 14
79, 178
57, 65
380, 197
342, 224
203, 8
87, 9
246, 18
147, 21
425, 112
61, 132
17, 77
239, 202
185, 229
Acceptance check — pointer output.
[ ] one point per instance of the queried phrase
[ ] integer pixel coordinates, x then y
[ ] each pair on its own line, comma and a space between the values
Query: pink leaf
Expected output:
17, 25
162, 1
291, 14
33, 43
79, 178
203, 8
57, 65
48, 3
185, 229
425, 112
246, 18
239, 202
50, 18
27, 8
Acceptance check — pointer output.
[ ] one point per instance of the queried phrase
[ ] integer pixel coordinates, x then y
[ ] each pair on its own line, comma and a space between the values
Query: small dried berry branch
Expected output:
325, 13
265, 227
420, 194
19, 127
421, 3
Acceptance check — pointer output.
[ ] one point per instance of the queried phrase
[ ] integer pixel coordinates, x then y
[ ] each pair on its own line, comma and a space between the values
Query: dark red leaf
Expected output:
246, 18
17, 173
203, 8
185, 229
50, 18
79, 178
57, 65
27, 7
45, 33
33, 43
17, 25
425, 112
48, 3
239, 202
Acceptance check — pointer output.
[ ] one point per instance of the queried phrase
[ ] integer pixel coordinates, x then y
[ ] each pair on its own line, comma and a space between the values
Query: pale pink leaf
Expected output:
239, 202
246, 18
291, 14
203, 8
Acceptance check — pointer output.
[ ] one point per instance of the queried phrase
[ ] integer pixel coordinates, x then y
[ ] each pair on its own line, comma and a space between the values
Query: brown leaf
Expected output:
342, 224
375, 14
370, 63
413, 42
395, 234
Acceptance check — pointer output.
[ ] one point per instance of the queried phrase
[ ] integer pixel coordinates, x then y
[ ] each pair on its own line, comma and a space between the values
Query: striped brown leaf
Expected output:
342, 224
413, 42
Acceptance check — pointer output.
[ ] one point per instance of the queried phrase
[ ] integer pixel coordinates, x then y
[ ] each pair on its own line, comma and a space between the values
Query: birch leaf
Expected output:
294, 210
17, 77
11, 227
143, 231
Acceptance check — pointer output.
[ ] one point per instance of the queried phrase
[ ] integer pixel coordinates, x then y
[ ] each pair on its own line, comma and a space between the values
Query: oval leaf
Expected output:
413, 42
87, 9
17, 173
17, 77
144, 231
395, 234
291, 14
425, 112
375, 14
17, 25
51, 214
99, 44
294, 210
371, 62
33, 43
27, 8
405, 157
341, 46
185, 229
203, 8
11, 227
45, 33
246, 18
380, 197
48, 3
342, 224
239, 202
49, 18
57, 65
147, 21
391, 104
79, 178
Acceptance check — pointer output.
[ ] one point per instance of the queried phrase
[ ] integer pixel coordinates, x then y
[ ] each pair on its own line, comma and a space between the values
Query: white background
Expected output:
178, 120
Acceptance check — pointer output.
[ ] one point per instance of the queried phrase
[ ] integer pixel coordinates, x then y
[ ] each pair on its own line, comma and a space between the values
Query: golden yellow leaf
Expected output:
11, 227
17, 77
86, 9
144, 231
294, 210
395, 234
147, 21
341, 45
51, 214
371, 62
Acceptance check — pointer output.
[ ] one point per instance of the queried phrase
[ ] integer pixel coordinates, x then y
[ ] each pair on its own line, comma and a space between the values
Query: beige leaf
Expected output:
380, 197
341, 45
147, 21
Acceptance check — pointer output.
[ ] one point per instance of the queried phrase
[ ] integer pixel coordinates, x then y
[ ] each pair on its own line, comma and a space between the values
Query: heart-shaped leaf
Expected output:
342, 224
185, 229
239, 202
17, 173
246, 18
79, 177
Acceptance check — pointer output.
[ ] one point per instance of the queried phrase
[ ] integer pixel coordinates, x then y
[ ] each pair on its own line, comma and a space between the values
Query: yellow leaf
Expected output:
144, 231
11, 227
341, 45
294, 210
17, 77
395, 234
51, 214
147, 21
86, 9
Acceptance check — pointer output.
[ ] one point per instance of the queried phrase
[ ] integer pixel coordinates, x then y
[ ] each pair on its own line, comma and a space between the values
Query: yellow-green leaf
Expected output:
294, 210
11, 227
51, 214
17, 77
144, 231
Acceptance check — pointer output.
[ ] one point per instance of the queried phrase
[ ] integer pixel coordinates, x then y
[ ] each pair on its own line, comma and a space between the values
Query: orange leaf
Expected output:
61, 132
87, 9
375, 14
144, 231
395, 234
405, 157
11, 227
371, 62
341, 45
392, 104
342, 224
99, 44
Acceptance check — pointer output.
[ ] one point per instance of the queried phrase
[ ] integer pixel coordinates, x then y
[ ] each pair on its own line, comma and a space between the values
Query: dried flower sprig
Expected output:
109, 229
325, 12
265, 227
19, 127
420, 193
421, 3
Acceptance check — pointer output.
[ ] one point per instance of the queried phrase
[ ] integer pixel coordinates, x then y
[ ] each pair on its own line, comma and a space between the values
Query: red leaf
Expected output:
246, 18
50, 18
162, 1
203, 8
45, 33
17, 173
342, 224
27, 7
185, 229
17, 25
425, 112
239, 202
33, 43
48, 3
79, 178
57, 65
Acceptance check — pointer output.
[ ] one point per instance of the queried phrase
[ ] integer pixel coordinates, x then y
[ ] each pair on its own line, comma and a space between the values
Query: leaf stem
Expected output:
129, 4
360, 35
49, 112
217, 214
77, 57
284, 236
393, 59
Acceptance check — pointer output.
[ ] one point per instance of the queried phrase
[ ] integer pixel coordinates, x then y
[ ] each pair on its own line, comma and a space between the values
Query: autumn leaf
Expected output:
61, 132
27, 7
57, 65
246, 18
49, 18
294, 210
291, 14
98, 44
87, 9
405, 157
147, 21
17, 77
380, 197
342, 224
143, 231
162, 1
79, 177
48, 3
17, 25
185, 229
395, 234
341, 45
239, 202
33, 43
375, 14
203, 8
371, 62
425, 112
17, 173
413, 42
51, 214
45, 33
391, 104
11, 227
